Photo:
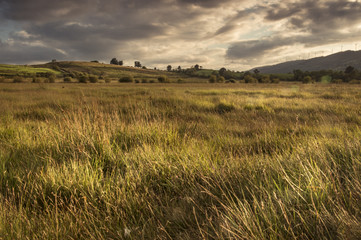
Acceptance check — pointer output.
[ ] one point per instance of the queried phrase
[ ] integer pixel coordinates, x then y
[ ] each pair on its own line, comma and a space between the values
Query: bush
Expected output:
93, 79
307, 79
265, 79
180, 80
18, 79
151, 81
212, 79
51, 79
221, 79
232, 80
354, 81
2, 79
107, 80
36, 80
162, 79
250, 79
137, 81
275, 80
337, 81
126, 79
83, 79
67, 79
144, 81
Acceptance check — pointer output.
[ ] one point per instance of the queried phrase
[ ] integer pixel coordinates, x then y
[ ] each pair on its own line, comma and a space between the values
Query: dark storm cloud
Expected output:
86, 28
43, 9
204, 3
160, 29
235, 21
316, 23
255, 48
24, 54
317, 16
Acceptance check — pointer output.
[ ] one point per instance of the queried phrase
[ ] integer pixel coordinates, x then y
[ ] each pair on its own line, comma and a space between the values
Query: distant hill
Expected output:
74, 69
337, 61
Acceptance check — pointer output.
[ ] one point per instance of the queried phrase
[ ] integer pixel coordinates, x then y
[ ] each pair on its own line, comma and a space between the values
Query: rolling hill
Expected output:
77, 68
337, 61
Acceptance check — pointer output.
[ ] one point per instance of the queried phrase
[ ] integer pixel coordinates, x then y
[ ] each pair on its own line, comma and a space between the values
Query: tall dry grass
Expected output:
180, 162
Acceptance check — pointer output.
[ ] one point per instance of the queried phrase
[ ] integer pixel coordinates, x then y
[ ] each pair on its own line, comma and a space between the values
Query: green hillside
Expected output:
24, 70
115, 71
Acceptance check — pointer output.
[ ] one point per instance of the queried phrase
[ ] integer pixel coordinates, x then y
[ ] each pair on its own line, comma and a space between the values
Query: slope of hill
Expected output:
114, 71
13, 70
337, 61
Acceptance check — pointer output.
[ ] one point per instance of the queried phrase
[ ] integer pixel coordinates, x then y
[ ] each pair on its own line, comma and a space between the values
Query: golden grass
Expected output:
188, 161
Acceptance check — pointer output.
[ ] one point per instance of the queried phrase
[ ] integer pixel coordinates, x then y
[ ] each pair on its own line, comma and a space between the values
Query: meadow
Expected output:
180, 161
13, 70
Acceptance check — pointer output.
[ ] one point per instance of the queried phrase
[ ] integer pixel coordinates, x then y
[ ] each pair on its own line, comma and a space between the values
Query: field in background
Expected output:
200, 161
23, 70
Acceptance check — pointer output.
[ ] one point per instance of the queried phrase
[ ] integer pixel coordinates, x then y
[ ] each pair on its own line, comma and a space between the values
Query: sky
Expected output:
236, 34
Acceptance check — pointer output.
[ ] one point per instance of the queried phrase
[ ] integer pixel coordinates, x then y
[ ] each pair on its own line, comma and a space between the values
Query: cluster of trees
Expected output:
350, 74
188, 71
115, 61
224, 75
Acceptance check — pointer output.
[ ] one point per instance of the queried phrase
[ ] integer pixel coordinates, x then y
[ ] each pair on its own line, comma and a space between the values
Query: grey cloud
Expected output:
233, 22
98, 27
23, 10
255, 48
248, 50
316, 16
316, 22
205, 3
23, 54
44, 10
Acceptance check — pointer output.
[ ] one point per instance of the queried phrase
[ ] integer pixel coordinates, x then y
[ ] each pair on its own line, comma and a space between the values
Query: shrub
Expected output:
83, 79
18, 79
67, 79
212, 79
144, 81
265, 79
2, 79
107, 80
93, 79
137, 81
250, 79
307, 79
180, 80
232, 80
337, 81
51, 79
151, 81
275, 80
221, 79
36, 80
354, 81
126, 79
162, 79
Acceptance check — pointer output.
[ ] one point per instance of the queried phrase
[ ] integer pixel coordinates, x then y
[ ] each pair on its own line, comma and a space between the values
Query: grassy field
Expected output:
200, 161
115, 71
13, 70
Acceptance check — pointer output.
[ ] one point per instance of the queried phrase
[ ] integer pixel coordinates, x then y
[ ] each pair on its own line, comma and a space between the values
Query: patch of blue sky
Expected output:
258, 33
7, 27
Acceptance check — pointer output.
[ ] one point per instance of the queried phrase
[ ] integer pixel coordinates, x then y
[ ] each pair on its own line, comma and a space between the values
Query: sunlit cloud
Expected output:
232, 34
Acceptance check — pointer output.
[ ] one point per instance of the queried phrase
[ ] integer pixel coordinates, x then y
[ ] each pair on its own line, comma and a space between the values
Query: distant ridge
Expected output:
337, 61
